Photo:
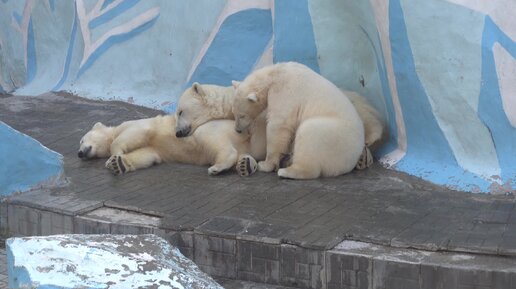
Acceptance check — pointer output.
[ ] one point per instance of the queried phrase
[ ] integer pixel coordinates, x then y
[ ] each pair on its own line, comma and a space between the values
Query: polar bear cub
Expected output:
139, 144
305, 111
202, 103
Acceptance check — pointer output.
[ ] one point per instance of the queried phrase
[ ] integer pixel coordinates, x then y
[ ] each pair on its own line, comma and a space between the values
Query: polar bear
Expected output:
305, 111
139, 144
203, 102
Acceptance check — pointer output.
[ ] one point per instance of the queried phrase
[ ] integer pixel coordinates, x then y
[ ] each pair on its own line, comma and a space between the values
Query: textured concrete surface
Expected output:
375, 205
352, 265
101, 261
259, 229
3, 267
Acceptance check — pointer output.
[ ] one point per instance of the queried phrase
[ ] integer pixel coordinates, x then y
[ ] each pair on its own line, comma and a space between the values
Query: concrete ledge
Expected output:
100, 261
361, 265
235, 249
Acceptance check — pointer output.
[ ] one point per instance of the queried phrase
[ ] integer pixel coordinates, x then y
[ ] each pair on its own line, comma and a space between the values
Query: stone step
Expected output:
240, 257
367, 266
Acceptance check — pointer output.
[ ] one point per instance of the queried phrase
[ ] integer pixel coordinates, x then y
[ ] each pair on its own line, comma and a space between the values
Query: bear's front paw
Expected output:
116, 165
214, 170
265, 166
246, 165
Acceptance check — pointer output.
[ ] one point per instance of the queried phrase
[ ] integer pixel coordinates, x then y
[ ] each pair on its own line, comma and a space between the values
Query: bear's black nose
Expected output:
183, 132
80, 154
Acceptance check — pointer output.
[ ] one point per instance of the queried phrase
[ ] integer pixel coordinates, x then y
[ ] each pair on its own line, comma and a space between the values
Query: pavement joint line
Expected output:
288, 204
408, 226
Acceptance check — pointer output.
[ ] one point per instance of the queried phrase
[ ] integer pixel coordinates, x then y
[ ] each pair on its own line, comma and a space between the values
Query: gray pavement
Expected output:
3, 267
262, 228
375, 205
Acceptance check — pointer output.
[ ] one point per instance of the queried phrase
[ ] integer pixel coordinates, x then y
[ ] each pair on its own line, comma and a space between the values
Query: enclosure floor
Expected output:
376, 205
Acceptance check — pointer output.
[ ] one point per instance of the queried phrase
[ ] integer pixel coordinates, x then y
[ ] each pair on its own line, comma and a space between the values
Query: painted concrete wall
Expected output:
441, 72
25, 162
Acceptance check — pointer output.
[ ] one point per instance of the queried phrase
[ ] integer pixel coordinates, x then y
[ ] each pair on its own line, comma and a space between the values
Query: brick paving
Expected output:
375, 205
264, 229
3, 268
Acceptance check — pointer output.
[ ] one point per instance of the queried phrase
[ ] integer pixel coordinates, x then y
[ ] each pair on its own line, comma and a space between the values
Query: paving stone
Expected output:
23, 221
258, 262
302, 268
239, 284
395, 275
216, 256
121, 261
182, 240
348, 271
3, 217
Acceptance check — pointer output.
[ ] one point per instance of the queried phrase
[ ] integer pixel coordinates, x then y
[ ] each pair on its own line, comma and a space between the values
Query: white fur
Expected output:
307, 110
202, 103
142, 143
374, 127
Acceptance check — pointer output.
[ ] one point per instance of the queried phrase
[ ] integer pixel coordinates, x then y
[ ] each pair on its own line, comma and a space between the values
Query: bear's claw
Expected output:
246, 165
365, 160
116, 165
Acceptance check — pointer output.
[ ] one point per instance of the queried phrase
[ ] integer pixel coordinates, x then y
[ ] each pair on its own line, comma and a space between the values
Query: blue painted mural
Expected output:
441, 72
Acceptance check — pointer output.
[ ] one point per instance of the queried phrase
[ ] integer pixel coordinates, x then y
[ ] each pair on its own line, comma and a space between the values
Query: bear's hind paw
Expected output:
365, 160
246, 165
116, 165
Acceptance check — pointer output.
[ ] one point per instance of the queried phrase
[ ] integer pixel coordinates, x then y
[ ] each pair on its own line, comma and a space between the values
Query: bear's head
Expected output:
192, 110
96, 143
247, 106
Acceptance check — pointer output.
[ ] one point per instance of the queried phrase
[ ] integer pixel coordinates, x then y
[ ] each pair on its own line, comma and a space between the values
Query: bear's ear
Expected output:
252, 97
98, 125
198, 89
235, 84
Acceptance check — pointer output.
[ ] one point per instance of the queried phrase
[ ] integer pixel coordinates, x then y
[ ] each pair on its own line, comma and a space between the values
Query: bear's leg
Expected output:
129, 140
278, 143
226, 158
298, 172
324, 147
138, 159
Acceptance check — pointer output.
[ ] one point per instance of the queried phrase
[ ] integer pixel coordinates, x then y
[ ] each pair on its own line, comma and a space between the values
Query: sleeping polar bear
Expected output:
139, 144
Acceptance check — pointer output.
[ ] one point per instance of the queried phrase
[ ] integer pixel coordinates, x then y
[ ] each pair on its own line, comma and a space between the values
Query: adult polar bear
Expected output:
139, 144
303, 109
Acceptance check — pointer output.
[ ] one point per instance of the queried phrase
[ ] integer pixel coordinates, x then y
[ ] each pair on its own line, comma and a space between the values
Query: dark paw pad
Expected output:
246, 165
116, 165
365, 160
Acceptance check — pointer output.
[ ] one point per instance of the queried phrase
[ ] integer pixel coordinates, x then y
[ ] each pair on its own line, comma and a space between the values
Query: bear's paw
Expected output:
246, 165
116, 165
365, 160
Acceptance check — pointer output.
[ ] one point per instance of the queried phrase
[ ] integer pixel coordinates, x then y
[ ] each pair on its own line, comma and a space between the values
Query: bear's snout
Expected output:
83, 153
183, 132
